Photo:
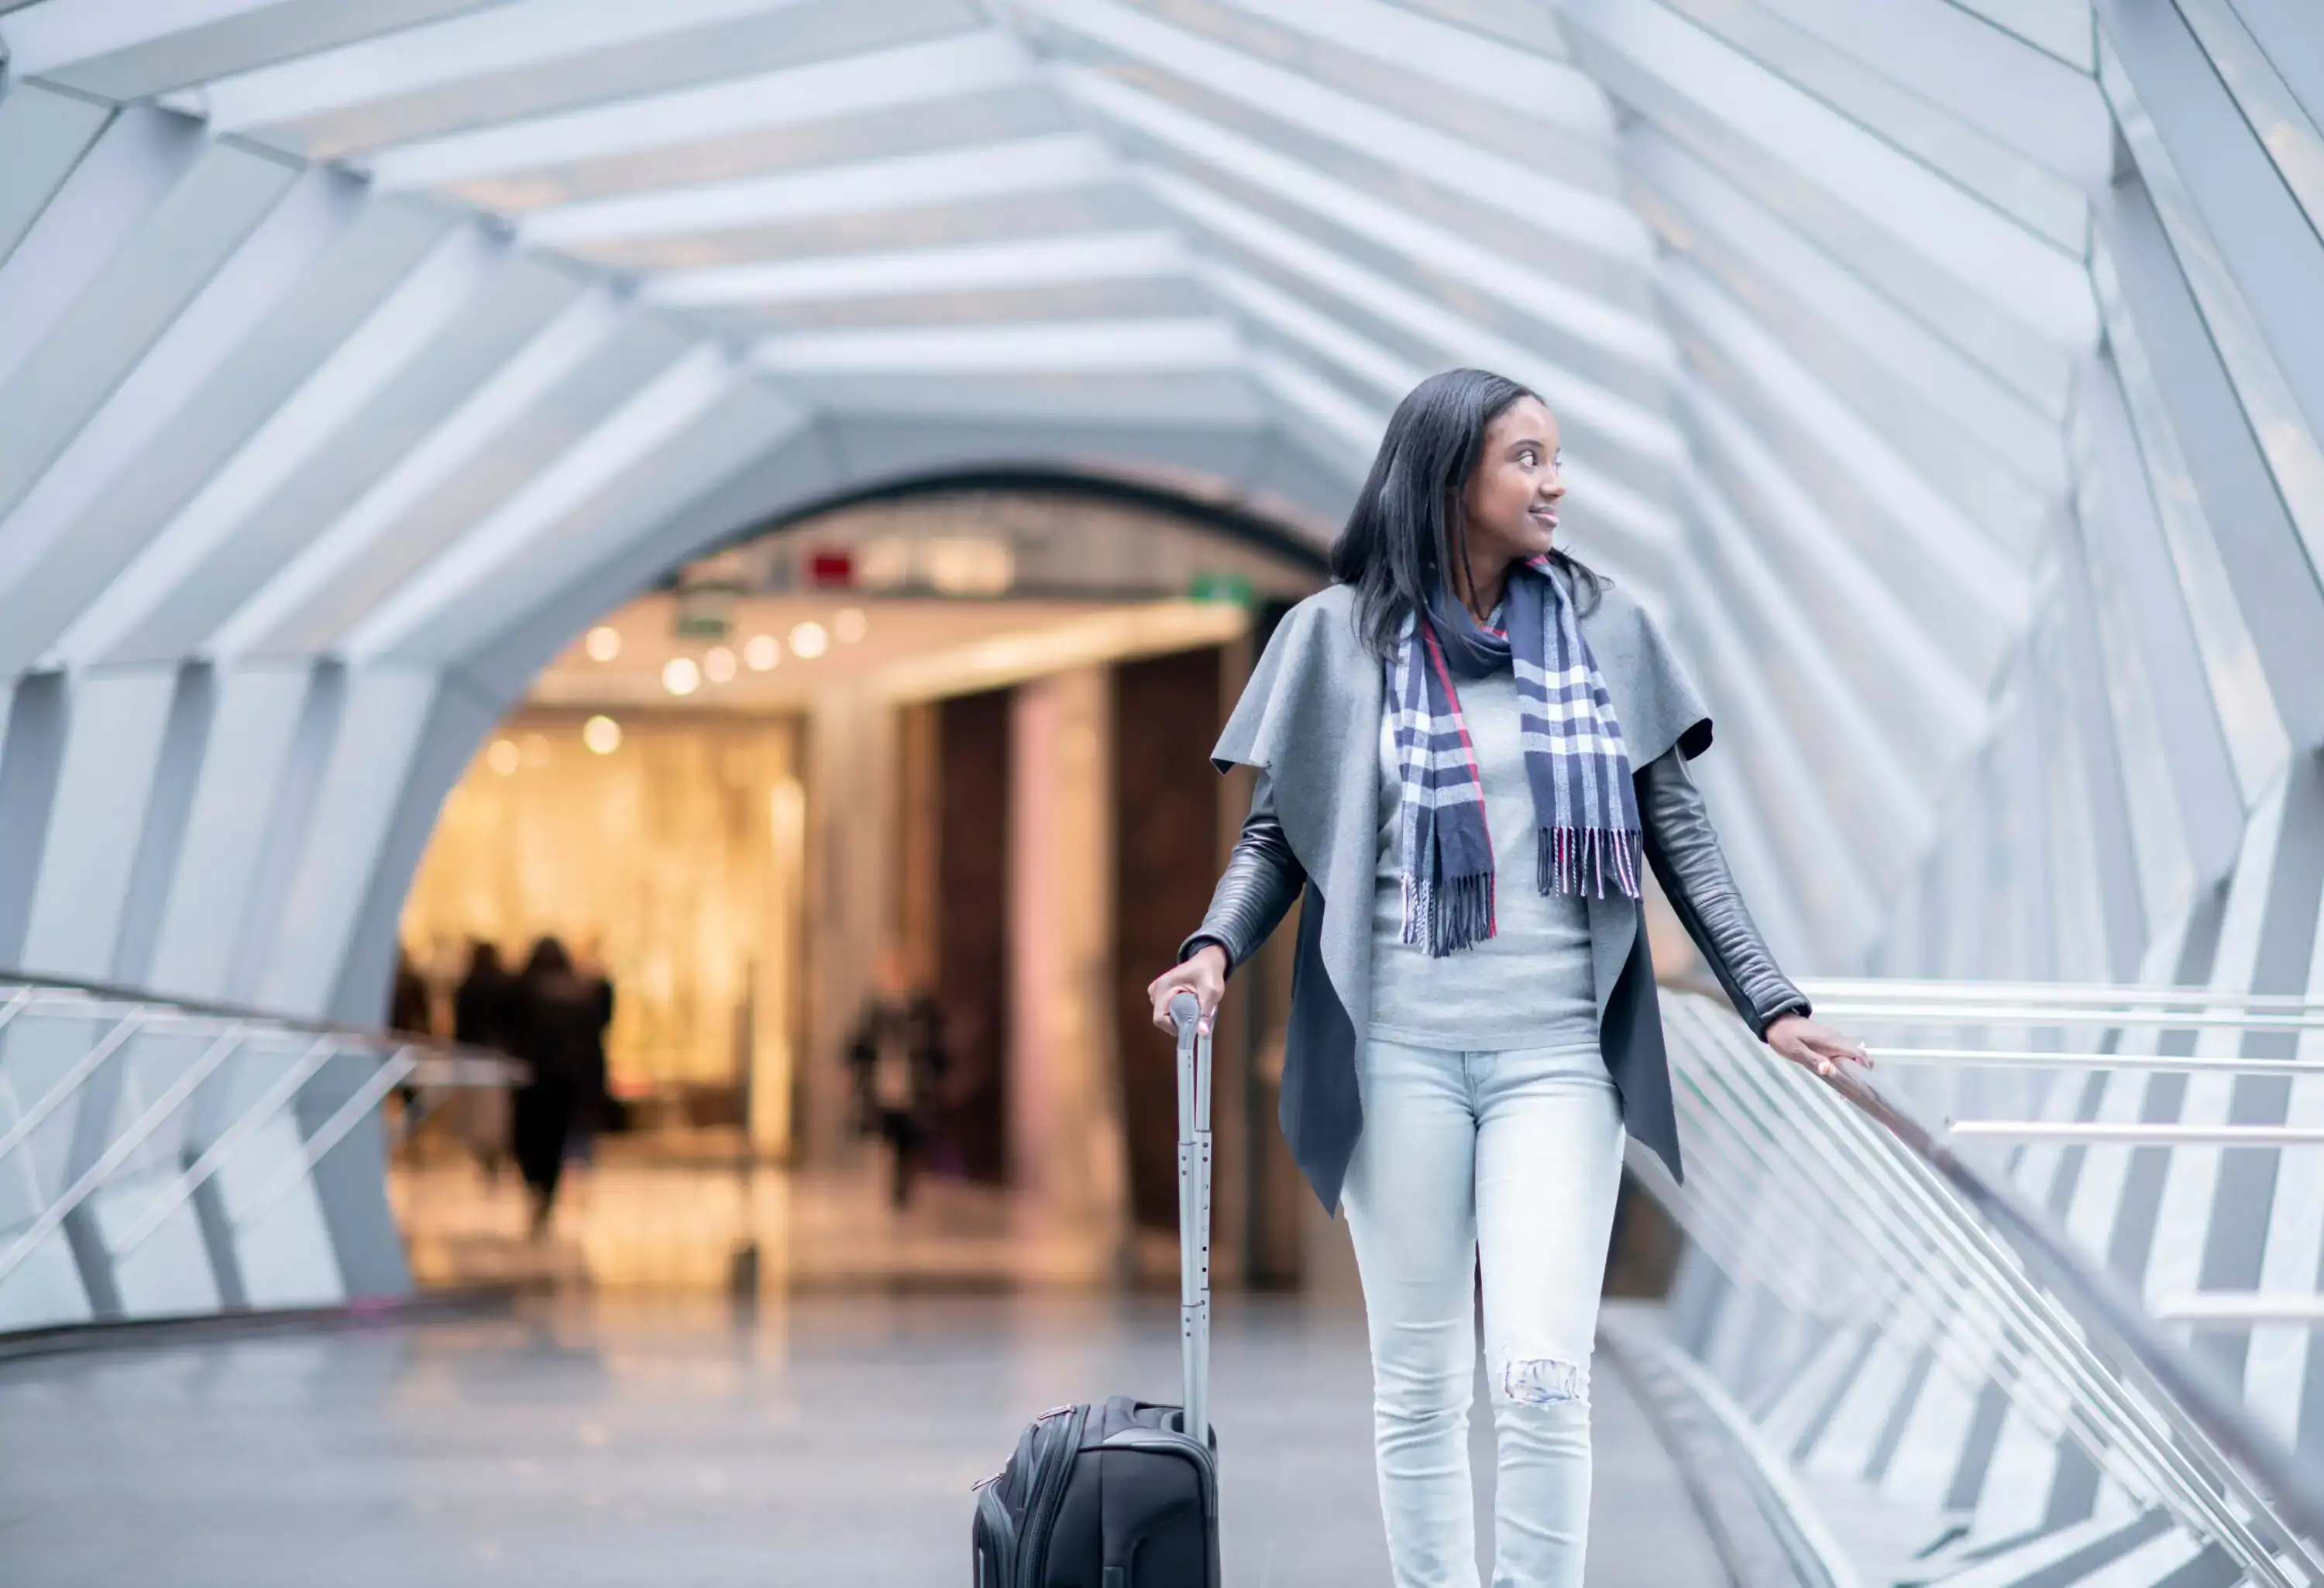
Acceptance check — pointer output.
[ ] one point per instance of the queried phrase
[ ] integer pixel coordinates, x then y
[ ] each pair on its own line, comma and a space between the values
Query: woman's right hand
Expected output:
1203, 974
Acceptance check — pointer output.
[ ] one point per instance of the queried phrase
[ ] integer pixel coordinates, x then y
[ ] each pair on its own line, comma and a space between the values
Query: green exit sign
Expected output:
1233, 588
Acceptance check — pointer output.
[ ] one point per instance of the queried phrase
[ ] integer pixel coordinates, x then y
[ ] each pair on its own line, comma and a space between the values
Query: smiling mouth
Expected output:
1547, 515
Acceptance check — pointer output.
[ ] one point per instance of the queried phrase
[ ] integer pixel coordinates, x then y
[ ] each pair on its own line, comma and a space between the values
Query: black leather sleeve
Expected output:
1262, 880
1686, 856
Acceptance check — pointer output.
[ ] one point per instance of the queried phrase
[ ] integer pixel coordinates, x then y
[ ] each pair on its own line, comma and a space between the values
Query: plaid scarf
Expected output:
1586, 809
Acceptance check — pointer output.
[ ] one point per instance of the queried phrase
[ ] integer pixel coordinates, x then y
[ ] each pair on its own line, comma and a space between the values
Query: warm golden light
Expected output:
536, 750
850, 624
761, 652
503, 757
809, 640
604, 643
602, 734
680, 675
719, 665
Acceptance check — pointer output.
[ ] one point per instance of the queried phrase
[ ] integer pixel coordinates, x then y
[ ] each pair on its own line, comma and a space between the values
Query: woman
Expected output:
1466, 747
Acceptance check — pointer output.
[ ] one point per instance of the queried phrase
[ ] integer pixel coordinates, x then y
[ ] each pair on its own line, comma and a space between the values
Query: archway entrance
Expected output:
954, 730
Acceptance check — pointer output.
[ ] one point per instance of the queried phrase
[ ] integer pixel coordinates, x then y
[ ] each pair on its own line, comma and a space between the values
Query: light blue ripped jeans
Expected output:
1514, 1155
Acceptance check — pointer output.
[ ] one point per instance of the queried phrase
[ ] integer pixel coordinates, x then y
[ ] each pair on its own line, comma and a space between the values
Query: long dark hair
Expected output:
1406, 528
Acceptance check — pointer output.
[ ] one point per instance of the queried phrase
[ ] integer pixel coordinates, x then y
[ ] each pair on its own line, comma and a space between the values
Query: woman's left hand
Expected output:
1819, 1048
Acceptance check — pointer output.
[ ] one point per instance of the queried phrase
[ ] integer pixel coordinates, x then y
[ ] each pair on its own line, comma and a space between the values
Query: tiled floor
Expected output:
637, 1426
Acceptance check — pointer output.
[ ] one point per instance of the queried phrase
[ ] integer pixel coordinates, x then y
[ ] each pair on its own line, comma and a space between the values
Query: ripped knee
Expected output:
1546, 1381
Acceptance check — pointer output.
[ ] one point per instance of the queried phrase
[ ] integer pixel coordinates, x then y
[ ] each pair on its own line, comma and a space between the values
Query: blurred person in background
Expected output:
556, 1027
897, 1054
593, 1104
484, 1015
410, 1010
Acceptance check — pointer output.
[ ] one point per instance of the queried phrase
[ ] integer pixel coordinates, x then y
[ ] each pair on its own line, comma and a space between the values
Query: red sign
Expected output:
830, 565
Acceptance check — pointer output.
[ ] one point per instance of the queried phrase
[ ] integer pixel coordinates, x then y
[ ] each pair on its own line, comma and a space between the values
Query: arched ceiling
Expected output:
1968, 447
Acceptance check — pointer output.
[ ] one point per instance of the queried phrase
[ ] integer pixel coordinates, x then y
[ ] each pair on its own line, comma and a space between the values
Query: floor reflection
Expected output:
693, 1212
633, 1438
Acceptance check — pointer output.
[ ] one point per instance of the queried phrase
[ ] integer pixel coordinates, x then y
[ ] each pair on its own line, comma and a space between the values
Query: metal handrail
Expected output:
2136, 1133
2155, 1018
380, 1040
1839, 990
2100, 1304
2083, 1059
2037, 1347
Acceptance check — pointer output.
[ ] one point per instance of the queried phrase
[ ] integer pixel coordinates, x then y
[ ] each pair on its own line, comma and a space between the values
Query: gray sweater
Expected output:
1309, 718
1528, 984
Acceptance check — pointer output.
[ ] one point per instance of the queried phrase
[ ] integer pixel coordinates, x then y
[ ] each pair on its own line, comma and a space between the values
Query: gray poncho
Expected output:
1310, 719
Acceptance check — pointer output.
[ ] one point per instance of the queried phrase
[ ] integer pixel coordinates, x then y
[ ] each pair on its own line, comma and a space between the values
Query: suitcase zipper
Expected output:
1040, 1509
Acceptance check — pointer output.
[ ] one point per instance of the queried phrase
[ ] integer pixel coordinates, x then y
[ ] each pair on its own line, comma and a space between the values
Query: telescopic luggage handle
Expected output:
1194, 1210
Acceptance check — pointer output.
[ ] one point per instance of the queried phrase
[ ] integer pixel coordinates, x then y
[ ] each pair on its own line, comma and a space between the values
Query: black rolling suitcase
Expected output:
1116, 1495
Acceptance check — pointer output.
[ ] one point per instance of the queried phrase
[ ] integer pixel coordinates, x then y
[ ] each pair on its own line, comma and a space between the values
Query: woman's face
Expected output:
1511, 500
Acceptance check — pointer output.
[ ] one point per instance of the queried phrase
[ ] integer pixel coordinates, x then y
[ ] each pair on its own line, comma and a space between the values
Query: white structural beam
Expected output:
1712, 216
1454, 58
1598, 493
247, 761
1556, 208
502, 401
1934, 49
1051, 262
1440, 250
1352, 425
1943, 543
52, 521
133, 51
1296, 320
45, 133
2041, 287
125, 176
993, 171
877, 80
515, 37
387, 341
1087, 346
1647, 435
44, 39
1911, 676
127, 299
113, 738
659, 412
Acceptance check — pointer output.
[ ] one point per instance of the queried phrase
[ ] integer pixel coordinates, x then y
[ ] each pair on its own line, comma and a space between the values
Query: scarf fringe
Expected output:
1459, 914
1577, 860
